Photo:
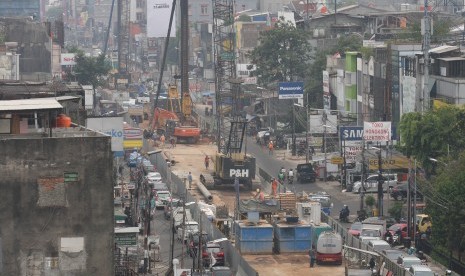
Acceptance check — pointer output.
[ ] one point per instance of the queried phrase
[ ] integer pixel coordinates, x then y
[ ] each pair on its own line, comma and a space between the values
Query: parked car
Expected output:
193, 242
402, 226
379, 245
212, 255
162, 198
400, 192
186, 228
421, 270
392, 254
305, 173
371, 183
153, 177
407, 261
148, 166
176, 202
355, 229
159, 186
221, 271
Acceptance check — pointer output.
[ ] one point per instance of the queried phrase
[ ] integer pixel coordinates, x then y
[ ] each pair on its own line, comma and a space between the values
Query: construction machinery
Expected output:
230, 162
177, 121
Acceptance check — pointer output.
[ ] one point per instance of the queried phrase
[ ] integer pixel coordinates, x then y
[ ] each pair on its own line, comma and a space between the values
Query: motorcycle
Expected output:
344, 215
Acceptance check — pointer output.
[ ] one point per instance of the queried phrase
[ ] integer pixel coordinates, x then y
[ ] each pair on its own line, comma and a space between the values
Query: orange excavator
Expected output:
178, 121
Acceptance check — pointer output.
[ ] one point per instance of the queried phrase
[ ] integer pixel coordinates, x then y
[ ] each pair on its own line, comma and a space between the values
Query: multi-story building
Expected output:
57, 194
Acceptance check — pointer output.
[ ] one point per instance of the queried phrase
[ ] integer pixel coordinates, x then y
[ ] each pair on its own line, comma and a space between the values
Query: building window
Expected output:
140, 4
139, 16
203, 9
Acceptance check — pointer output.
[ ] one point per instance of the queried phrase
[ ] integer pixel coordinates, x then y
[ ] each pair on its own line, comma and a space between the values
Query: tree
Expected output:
441, 30
283, 54
434, 134
54, 13
89, 70
446, 206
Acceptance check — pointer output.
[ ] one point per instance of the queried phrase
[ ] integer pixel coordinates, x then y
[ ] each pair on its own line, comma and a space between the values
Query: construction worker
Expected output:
274, 186
189, 178
207, 162
260, 196
270, 148
162, 140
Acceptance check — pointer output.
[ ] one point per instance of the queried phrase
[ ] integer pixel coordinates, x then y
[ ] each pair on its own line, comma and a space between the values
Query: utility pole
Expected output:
324, 145
362, 180
380, 184
426, 31
294, 149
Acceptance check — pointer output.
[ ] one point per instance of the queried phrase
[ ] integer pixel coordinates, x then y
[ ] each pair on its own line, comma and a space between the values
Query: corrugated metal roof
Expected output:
30, 104
443, 49
452, 58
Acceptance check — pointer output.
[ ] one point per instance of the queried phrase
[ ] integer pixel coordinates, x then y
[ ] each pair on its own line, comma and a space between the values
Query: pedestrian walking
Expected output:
270, 148
189, 178
274, 186
172, 142
162, 140
207, 162
311, 254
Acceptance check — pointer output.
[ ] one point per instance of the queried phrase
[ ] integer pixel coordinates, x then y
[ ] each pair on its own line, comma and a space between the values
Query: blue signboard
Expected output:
291, 90
355, 133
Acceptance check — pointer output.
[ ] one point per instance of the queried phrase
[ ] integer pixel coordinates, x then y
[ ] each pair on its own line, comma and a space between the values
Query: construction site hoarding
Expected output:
158, 18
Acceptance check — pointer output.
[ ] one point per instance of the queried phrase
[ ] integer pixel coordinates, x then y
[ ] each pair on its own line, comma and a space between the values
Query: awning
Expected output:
443, 49
30, 104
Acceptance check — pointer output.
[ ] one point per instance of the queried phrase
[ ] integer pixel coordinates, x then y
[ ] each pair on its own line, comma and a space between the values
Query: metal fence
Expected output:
176, 180
352, 241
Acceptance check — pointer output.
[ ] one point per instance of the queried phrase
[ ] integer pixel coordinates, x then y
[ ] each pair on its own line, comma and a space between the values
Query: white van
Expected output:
421, 270
371, 183
379, 245
371, 232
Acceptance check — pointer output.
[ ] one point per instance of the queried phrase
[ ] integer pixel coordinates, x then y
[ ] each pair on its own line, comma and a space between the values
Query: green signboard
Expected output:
227, 55
71, 176
126, 239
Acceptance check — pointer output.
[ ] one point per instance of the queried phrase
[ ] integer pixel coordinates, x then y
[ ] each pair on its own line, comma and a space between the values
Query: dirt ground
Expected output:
190, 158
290, 264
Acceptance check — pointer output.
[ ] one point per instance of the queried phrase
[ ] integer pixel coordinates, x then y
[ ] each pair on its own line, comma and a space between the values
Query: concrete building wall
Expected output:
52, 223
34, 47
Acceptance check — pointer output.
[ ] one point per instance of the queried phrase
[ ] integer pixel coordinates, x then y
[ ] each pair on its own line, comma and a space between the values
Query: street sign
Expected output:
126, 239
291, 90
227, 56
337, 160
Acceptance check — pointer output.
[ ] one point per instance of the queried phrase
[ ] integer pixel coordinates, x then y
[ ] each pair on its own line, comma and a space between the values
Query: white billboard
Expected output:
68, 59
158, 18
377, 131
112, 126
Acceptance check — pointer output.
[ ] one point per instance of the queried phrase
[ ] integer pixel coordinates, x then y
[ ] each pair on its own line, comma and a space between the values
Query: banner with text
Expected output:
377, 131
291, 90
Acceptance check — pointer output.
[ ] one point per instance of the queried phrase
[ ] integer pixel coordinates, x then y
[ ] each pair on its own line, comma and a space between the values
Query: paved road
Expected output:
272, 165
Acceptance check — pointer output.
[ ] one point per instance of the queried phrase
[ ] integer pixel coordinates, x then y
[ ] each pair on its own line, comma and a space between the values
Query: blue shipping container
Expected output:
254, 239
292, 237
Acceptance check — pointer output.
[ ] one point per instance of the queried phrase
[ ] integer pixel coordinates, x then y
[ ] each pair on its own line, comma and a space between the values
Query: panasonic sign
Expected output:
239, 172
291, 90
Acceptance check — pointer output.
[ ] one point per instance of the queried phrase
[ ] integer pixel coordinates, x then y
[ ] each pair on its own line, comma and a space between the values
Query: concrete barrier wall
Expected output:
232, 256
